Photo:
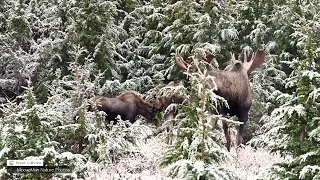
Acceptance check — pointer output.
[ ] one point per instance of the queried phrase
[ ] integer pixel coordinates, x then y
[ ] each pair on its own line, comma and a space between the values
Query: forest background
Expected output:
55, 54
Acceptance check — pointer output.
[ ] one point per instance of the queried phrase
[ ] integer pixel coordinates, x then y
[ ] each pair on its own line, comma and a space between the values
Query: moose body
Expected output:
233, 85
128, 105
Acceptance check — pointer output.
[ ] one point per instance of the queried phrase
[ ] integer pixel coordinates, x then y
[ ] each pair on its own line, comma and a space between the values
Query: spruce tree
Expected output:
293, 127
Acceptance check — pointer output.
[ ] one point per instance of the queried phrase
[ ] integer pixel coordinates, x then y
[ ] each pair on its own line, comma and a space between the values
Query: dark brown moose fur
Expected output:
128, 105
233, 85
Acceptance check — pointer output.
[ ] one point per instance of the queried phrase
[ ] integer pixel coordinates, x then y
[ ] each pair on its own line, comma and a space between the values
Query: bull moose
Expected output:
233, 85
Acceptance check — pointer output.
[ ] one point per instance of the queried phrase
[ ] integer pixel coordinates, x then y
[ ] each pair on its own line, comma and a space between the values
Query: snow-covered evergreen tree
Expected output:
199, 146
293, 127
29, 131
65, 51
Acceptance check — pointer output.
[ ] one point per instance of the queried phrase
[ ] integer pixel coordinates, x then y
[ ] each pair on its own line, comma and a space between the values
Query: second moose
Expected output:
233, 85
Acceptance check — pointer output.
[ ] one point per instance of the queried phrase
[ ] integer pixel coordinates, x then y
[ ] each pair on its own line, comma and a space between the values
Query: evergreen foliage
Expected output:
54, 55
30, 132
293, 127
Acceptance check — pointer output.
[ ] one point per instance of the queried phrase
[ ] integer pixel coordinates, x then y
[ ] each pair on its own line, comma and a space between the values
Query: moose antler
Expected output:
233, 59
181, 63
184, 65
256, 60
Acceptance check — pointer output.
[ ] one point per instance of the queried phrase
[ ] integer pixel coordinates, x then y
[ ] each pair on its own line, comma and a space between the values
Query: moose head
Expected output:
163, 101
233, 85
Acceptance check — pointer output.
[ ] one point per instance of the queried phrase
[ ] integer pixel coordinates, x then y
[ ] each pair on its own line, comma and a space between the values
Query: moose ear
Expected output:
208, 58
158, 104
